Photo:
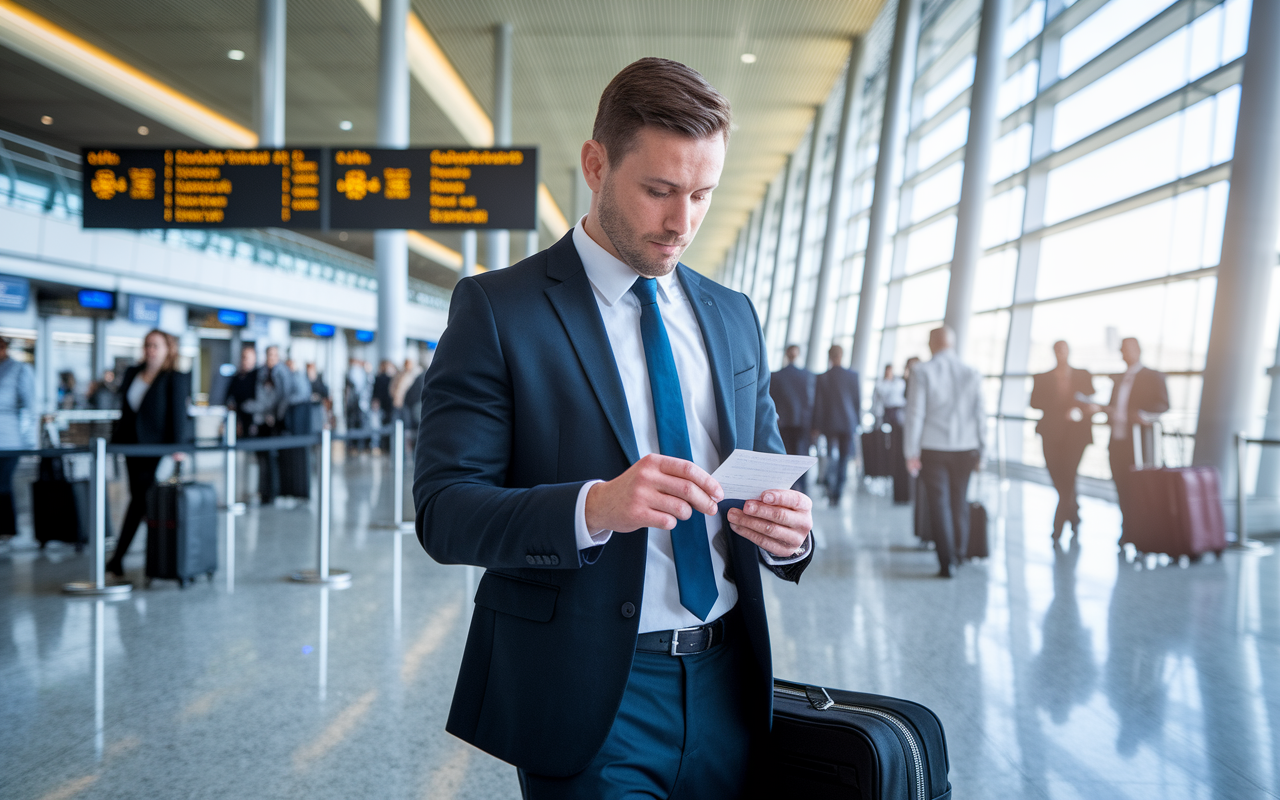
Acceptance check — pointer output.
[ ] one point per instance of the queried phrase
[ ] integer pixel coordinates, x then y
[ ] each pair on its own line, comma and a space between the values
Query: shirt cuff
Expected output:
778, 561
586, 539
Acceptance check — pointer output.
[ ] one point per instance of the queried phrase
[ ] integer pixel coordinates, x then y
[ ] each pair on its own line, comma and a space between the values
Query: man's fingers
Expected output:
781, 547
687, 491
786, 517
691, 472
787, 497
775, 532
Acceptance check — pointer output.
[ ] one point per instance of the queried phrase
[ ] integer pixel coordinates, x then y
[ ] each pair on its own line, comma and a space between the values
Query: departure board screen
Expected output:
178, 188
318, 188
425, 188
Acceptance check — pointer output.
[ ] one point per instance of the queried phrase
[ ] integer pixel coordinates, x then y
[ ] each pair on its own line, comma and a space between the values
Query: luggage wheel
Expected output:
1196, 557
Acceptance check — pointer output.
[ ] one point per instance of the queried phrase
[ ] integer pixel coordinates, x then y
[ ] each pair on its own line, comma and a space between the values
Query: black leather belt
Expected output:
684, 641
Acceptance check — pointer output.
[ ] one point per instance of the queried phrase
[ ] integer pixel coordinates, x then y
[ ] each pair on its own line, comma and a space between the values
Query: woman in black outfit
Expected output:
1065, 430
154, 398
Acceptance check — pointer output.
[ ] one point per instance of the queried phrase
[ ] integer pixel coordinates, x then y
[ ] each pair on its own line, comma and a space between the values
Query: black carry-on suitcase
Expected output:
877, 453
182, 531
828, 743
978, 524
295, 472
61, 509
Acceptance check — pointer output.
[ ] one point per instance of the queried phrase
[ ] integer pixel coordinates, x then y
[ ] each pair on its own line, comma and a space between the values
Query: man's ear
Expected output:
595, 161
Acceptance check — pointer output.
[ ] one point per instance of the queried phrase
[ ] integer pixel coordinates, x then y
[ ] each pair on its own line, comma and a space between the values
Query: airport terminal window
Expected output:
1002, 218
993, 283
936, 192
924, 297
943, 140
949, 88
1103, 28
1018, 89
931, 245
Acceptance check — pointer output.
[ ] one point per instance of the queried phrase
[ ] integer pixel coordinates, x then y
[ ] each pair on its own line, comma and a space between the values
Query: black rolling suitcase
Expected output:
978, 524
295, 472
877, 453
828, 743
61, 509
182, 531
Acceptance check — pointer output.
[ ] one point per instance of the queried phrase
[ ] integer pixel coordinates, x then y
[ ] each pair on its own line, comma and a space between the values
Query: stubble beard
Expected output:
629, 245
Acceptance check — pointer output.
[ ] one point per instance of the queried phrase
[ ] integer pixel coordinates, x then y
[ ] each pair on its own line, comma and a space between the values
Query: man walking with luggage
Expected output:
792, 391
943, 443
837, 407
1138, 396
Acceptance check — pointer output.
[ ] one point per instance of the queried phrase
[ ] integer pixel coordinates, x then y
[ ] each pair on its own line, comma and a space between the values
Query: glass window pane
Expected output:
993, 283
1103, 28
1024, 28
924, 297
1002, 218
1018, 90
931, 245
1139, 161
944, 139
988, 334
939, 192
945, 90
1011, 153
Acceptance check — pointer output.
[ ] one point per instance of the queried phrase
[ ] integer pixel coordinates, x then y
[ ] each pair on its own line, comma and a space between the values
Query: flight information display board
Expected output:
319, 188
125, 188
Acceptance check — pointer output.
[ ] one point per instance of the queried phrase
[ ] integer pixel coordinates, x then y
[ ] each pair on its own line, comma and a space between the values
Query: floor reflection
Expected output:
1063, 671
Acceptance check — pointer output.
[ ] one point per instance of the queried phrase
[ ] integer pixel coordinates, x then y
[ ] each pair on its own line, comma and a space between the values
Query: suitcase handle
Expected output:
1157, 446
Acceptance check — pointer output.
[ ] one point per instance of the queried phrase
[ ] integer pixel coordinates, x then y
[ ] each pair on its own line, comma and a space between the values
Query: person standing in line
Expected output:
103, 394
888, 400
357, 403
1138, 396
943, 441
295, 463
383, 405
792, 391
17, 430
242, 387
837, 409
618, 646
1065, 429
319, 398
400, 389
154, 411
268, 408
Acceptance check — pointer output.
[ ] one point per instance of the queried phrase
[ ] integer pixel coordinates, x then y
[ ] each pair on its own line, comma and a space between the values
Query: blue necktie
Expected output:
689, 544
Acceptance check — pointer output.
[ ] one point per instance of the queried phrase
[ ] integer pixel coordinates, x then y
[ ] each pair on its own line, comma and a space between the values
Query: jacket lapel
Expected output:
575, 303
716, 338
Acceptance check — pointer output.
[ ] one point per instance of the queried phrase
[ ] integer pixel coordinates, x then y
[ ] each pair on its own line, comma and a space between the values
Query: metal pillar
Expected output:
1248, 252
498, 243
902, 63
271, 72
323, 573
397, 522
468, 252
1268, 482
769, 316
233, 508
810, 185
98, 364
975, 185
99, 586
833, 241
391, 248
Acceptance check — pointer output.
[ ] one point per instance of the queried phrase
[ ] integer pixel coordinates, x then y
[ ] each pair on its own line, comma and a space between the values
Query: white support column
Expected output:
810, 186
468, 253
771, 304
271, 72
391, 247
975, 184
1248, 252
902, 64
498, 243
833, 241
531, 243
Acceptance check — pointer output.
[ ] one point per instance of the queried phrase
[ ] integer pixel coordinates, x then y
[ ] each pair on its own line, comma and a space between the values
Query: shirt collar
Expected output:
611, 278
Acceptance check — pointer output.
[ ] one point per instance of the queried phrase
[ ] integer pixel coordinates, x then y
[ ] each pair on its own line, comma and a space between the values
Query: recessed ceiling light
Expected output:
235, 55
46, 120
748, 58
143, 130
345, 124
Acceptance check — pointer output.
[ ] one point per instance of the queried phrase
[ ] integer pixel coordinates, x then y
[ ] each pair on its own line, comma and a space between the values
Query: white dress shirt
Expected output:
1120, 414
944, 407
889, 393
611, 281
138, 389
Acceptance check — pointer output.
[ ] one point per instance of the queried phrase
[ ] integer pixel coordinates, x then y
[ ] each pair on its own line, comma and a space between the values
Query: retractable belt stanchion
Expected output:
398, 522
99, 586
232, 506
323, 574
1243, 544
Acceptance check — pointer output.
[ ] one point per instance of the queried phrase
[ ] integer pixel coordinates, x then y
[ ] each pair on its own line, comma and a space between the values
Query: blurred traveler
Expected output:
576, 405
837, 412
294, 463
243, 386
383, 405
943, 440
67, 396
792, 391
357, 402
17, 431
103, 394
154, 411
1065, 431
1138, 397
907, 367
319, 399
400, 389
267, 412
888, 400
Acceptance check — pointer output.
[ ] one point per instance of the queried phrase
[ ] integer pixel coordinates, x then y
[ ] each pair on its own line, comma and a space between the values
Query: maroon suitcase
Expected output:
1180, 512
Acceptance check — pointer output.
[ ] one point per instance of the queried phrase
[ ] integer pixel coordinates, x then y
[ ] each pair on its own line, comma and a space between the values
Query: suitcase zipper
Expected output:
902, 727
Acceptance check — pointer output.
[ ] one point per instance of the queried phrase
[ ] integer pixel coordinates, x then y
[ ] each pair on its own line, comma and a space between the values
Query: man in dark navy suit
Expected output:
792, 391
837, 407
576, 406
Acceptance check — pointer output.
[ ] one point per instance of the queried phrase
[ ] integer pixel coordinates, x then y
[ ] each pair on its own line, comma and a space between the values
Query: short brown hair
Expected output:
171, 341
662, 93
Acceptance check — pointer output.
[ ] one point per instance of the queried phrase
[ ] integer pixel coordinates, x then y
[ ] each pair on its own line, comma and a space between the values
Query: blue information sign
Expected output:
235, 319
96, 299
15, 293
322, 330
144, 310
364, 336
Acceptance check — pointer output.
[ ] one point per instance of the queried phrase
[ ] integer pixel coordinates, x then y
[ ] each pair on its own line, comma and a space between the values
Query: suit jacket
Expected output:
837, 405
792, 391
521, 406
1047, 395
162, 416
1149, 393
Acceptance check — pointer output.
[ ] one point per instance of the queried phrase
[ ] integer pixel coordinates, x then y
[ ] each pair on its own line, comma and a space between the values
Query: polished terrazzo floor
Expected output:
1057, 673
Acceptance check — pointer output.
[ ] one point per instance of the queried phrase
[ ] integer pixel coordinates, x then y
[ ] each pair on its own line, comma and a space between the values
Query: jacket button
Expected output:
628, 610
553, 560
530, 560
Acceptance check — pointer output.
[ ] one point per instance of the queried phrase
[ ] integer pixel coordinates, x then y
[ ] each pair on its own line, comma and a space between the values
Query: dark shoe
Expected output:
115, 568
945, 572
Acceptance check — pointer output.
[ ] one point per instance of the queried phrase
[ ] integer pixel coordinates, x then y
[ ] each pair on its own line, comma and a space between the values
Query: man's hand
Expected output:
778, 522
655, 492
913, 466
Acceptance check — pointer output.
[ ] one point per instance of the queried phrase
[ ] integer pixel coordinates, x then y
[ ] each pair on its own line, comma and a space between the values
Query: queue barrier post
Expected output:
98, 587
233, 507
323, 574
398, 522
1243, 544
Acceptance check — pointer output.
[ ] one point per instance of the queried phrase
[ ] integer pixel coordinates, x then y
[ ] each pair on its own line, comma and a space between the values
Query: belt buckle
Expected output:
675, 639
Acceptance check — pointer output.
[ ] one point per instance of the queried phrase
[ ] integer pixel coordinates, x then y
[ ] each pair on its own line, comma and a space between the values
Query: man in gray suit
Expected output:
944, 439
792, 391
